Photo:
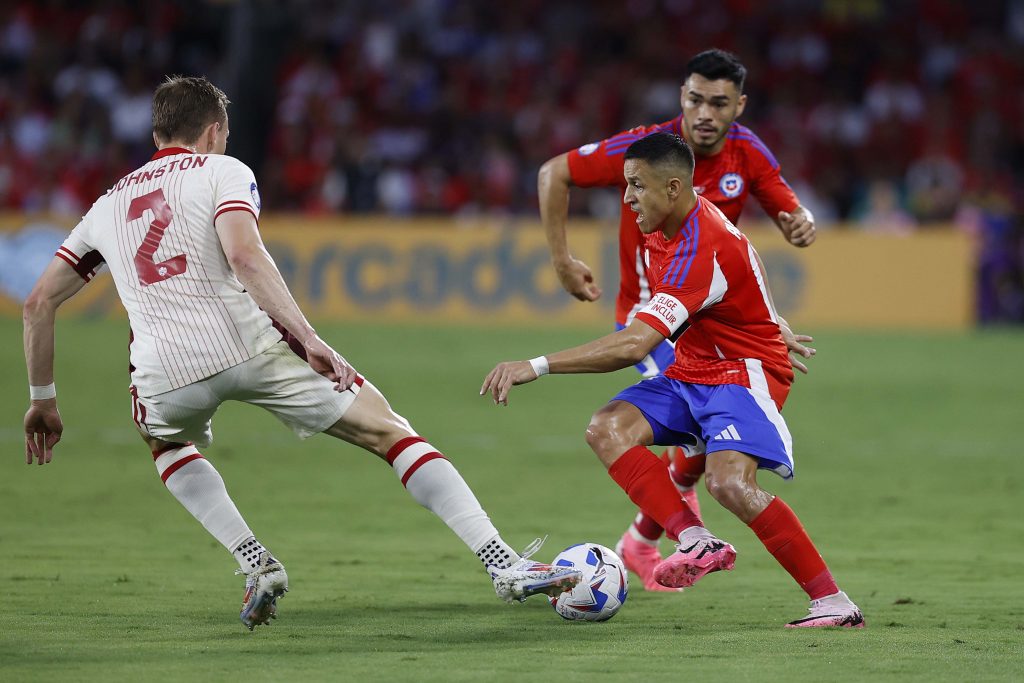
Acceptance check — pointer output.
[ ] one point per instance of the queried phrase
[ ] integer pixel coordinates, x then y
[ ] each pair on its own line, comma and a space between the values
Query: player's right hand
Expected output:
577, 279
504, 376
329, 363
43, 429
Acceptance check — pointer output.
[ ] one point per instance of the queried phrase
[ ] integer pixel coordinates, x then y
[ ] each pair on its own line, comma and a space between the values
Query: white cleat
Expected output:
526, 577
831, 610
263, 586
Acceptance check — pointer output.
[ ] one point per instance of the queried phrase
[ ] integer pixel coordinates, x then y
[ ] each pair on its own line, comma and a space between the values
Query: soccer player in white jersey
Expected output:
206, 303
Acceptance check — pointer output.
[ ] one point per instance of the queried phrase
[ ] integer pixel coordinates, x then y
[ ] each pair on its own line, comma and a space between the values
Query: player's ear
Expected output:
741, 104
209, 137
156, 140
675, 188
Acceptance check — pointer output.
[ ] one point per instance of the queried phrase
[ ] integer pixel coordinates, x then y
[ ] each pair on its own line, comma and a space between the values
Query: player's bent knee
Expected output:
600, 434
612, 431
722, 486
740, 495
734, 489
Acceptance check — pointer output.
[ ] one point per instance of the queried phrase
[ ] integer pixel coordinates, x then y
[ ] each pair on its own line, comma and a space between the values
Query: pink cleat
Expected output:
699, 552
641, 559
831, 610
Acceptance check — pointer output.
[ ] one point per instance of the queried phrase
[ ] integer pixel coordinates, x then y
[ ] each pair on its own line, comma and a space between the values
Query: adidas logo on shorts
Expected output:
729, 434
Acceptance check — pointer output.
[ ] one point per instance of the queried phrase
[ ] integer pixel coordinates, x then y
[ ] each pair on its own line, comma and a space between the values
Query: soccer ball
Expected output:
604, 586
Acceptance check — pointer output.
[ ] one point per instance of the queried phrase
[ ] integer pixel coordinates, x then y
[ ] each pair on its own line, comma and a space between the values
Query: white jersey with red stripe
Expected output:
190, 316
710, 293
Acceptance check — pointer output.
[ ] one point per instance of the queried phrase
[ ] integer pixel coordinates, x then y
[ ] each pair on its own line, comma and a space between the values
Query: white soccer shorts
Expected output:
276, 380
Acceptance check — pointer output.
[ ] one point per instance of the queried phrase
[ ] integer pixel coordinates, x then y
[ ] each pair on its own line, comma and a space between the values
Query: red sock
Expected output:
645, 480
647, 526
644, 524
686, 471
783, 535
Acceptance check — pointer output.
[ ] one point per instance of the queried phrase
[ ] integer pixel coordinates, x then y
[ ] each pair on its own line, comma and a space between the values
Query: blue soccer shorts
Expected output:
658, 360
729, 417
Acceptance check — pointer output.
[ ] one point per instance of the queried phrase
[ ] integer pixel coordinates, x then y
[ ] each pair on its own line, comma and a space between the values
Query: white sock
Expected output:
437, 485
200, 489
248, 554
496, 554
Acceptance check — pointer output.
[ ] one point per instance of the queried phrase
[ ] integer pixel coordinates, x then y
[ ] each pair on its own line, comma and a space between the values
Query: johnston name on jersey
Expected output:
190, 316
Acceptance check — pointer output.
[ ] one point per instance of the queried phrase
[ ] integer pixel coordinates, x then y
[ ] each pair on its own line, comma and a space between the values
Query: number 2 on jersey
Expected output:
151, 272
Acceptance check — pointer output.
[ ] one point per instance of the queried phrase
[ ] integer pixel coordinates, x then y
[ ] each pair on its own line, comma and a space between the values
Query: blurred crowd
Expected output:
75, 86
885, 115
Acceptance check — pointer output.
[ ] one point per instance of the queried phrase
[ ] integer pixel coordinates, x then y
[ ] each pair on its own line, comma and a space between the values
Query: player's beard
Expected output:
705, 144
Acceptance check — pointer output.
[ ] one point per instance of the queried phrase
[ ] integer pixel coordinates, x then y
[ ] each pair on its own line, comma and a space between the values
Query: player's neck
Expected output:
178, 144
702, 151
709, 151
674, 223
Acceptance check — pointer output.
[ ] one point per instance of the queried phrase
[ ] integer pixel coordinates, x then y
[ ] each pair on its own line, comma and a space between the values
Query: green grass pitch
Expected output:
909, 478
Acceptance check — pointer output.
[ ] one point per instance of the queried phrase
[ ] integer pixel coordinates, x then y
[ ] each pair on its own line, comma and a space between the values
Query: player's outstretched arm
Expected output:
798, 226
609, 353
43, 426
256, 270
553, 183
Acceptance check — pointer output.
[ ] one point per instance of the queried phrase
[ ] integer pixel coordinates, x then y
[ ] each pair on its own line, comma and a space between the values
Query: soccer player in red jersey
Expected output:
727, 384
731, 163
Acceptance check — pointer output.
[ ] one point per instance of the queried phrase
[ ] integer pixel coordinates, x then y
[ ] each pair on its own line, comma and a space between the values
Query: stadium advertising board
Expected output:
435, 271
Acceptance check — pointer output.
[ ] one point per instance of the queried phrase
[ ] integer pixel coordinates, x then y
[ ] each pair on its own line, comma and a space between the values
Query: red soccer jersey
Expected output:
709, 288
744, 166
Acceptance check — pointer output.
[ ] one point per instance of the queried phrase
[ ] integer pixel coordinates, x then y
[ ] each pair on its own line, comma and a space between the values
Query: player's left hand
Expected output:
796, 344
43, 429
504, 376
798, 227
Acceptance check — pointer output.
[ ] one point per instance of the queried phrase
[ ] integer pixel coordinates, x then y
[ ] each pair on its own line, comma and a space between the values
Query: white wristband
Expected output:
540, 365
42, 393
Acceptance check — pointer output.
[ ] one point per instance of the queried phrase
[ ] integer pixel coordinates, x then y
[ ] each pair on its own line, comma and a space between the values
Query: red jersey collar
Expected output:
170, 151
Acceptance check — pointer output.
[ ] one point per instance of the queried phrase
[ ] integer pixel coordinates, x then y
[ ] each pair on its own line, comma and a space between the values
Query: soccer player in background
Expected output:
731, 163
181, 240
727, 383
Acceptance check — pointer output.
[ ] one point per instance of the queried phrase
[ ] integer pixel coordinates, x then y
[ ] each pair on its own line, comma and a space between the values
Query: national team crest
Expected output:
255, 195
731, 185
589, 148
